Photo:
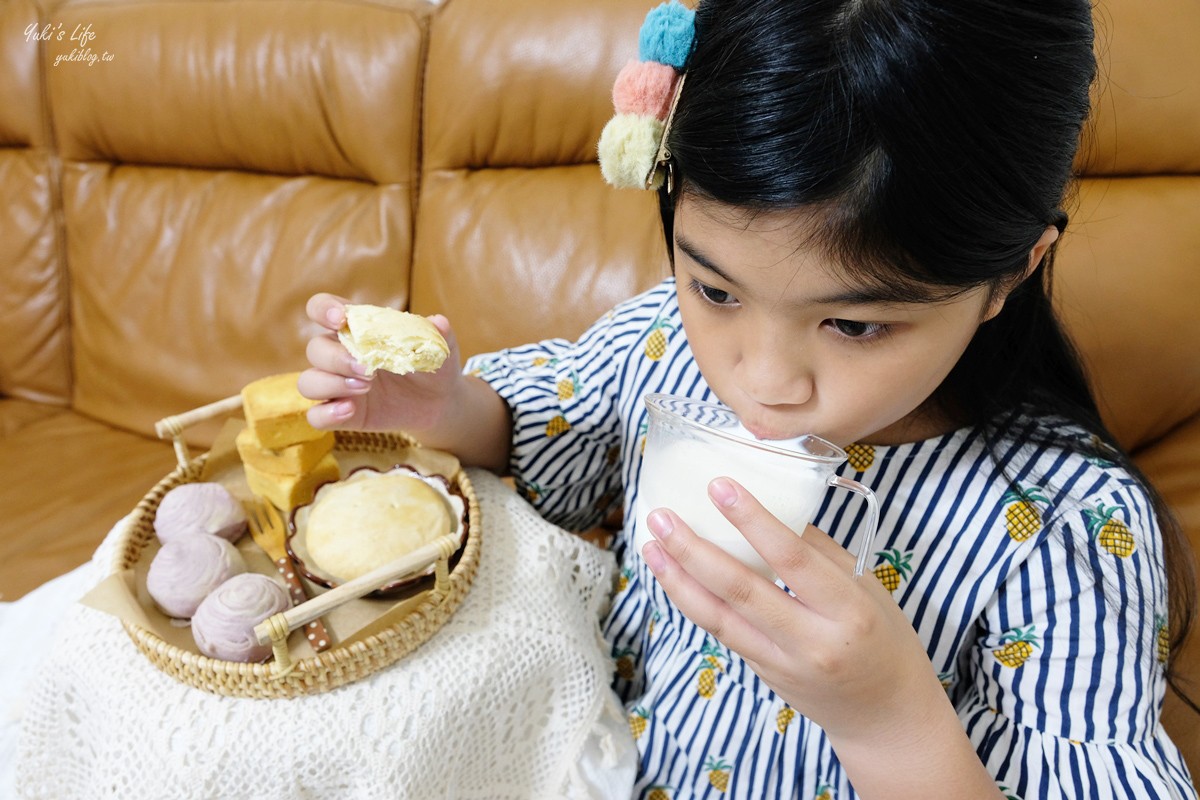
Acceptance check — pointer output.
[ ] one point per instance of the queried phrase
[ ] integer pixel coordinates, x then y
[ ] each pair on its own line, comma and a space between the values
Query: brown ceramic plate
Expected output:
298, 527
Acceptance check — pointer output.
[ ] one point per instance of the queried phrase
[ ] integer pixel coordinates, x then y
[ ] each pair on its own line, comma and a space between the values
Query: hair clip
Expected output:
662, 168
632, 147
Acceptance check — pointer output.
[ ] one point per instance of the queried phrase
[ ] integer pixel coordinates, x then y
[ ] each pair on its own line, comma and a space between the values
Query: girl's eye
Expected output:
717, 297
857, 330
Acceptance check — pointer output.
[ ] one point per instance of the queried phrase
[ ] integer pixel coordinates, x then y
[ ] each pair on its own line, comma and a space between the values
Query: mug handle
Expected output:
868, 544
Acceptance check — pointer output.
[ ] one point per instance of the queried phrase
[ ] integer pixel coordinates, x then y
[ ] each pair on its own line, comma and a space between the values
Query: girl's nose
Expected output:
774, 373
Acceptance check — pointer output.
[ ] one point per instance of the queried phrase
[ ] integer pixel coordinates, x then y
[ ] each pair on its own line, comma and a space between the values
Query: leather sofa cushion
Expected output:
188, 284
1146, 115
220, 170
518, 236
33, 349
16, 414
289, 87
64, 481
1127, 285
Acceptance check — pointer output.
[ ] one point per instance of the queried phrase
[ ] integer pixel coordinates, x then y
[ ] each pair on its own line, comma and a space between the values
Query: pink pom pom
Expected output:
644, 88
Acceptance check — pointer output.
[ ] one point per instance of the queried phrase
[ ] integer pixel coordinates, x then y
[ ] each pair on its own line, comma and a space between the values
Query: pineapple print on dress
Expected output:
639, 720
825, 792
659, 792
1018, 645
710, 666
1101, 452
568, 387
625, 666
623, 581
860, 456
718, 773
1009, 794
483, 369
1162, 638
894, 567
656, 342
784, 718
1112, 534
1022, 518
557, 426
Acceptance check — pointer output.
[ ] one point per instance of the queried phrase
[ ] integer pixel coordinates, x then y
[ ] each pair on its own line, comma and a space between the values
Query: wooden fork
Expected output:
269, 533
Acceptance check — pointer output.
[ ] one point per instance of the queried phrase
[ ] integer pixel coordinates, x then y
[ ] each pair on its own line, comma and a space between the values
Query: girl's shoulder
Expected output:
1074, 478
657, 301
647, 321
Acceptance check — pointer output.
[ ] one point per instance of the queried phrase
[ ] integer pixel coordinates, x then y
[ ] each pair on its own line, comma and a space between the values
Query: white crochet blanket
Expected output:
510, 699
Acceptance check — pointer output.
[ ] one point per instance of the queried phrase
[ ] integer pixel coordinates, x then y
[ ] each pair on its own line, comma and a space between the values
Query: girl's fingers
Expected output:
452, 362
317, 384
819, 540
327, 354
752, 598
345, 413
821, 578
443, 325
705, 608
327, 310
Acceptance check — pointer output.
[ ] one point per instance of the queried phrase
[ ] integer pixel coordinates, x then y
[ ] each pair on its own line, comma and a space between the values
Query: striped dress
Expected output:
1033, 575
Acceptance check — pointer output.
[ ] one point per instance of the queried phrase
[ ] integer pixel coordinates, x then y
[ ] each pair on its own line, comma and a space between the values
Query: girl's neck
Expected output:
926, 422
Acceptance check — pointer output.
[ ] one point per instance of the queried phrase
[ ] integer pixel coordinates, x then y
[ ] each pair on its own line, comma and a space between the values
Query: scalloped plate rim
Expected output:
439, 482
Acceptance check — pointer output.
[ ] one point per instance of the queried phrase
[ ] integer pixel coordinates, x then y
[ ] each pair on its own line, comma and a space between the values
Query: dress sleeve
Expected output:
566, 430
1064, 683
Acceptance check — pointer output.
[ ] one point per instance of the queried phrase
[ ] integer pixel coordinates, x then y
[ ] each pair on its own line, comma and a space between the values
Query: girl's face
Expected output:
789, 342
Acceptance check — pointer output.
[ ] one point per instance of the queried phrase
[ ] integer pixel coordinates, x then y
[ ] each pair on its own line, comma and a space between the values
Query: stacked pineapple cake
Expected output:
285, 458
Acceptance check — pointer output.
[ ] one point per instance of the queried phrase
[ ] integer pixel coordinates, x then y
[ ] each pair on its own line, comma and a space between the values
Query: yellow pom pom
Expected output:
628, 147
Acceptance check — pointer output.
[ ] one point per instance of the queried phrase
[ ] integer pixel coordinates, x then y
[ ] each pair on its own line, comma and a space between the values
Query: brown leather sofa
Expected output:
176, 178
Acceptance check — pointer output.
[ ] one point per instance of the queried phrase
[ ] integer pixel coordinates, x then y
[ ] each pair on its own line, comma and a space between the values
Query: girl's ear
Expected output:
1048, 237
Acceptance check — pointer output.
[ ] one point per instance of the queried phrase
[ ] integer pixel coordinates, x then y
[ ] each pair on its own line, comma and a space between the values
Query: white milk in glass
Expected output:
677, 470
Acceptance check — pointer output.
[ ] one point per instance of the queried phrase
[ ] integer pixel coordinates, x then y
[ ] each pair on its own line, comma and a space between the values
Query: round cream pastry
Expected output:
358, 526
187, 569
223, 625
192, 508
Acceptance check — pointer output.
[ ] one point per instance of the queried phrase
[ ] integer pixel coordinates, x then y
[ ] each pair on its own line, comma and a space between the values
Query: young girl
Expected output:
862, 199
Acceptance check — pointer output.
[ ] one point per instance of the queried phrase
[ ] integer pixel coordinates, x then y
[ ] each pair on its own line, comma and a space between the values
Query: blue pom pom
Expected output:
667, 34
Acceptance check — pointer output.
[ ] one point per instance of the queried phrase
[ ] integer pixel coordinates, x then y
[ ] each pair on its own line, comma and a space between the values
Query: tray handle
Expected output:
174, 426
275, 629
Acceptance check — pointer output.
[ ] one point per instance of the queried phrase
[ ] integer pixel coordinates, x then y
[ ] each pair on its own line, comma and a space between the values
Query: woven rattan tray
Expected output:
418, 619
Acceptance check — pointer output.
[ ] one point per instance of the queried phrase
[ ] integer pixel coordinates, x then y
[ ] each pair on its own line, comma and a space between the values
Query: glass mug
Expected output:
690, 442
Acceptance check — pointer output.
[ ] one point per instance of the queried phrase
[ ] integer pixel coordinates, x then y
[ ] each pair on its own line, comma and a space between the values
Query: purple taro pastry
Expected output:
185, 570
192, 508
223, 626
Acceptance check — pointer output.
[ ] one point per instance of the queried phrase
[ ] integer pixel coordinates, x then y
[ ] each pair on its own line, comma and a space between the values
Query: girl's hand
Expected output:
841, 651
352, 400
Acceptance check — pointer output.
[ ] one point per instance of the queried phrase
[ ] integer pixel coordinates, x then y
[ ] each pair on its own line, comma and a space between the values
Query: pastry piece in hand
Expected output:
391, 340
289, 491
358, 526
187, 569
294, 459
223, 625
276, 411
196, 508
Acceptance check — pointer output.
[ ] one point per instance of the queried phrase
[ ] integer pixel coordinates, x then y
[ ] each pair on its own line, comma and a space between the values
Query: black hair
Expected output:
935, 143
